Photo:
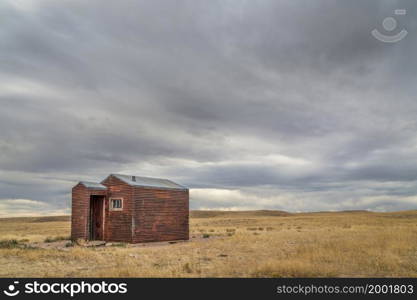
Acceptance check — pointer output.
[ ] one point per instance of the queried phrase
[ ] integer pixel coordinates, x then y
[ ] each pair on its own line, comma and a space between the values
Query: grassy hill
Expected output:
225, 244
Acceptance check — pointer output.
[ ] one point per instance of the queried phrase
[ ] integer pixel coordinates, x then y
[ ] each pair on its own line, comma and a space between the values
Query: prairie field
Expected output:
224, 244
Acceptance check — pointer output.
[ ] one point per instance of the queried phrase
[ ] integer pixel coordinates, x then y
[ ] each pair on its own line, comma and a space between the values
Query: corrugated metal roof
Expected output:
93, 185
149, 182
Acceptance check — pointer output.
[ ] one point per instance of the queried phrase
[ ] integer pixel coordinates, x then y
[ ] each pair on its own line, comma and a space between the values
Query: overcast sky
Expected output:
289, 105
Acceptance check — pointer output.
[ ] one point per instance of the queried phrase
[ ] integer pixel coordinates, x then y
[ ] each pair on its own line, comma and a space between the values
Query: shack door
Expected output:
96, 217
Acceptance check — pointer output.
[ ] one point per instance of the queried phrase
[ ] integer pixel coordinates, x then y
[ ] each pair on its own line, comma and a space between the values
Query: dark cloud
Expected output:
288, 105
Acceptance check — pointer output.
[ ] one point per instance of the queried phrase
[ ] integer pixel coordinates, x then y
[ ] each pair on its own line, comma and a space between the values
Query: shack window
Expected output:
116, 204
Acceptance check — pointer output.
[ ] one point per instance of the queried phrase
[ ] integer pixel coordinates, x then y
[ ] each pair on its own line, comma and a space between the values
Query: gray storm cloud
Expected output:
288, 105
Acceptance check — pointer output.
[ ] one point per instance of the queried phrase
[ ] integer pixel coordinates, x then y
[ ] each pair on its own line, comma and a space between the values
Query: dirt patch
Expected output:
65, 245
59, 245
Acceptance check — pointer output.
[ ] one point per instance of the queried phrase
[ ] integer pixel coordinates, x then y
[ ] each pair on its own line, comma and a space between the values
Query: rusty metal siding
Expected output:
80, 209
160, 215
118, 222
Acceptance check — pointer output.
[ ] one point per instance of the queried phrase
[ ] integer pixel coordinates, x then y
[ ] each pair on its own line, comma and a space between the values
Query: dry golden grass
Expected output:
245, 244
